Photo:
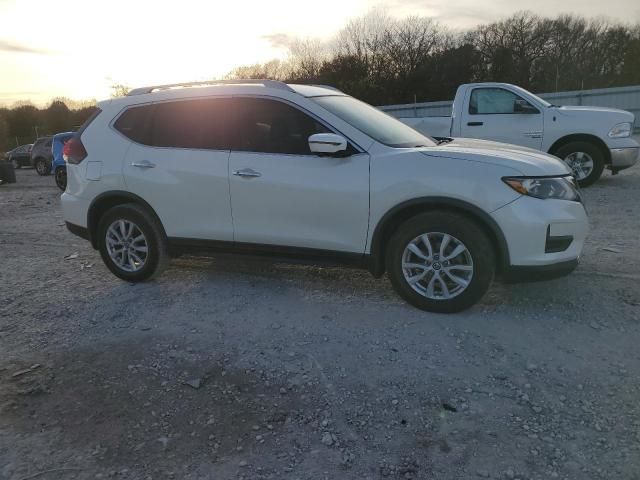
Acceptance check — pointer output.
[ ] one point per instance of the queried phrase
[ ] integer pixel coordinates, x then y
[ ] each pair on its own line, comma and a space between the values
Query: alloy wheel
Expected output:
437, 265
126, 245
580, 163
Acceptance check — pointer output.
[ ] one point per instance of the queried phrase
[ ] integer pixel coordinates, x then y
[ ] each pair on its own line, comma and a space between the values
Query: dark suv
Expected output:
42, 156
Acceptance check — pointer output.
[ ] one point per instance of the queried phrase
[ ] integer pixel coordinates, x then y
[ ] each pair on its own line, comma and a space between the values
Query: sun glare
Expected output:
98, 44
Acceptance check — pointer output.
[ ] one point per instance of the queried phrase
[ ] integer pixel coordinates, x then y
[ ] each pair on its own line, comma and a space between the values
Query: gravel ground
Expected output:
240, 368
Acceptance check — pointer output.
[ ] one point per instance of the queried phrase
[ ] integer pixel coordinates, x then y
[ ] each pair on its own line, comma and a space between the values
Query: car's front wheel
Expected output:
61, 178
440, 262
15, 163
42, 167
132, 243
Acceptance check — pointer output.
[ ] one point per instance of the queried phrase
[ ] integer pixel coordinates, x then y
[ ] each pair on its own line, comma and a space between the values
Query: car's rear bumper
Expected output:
81, 232
74, 209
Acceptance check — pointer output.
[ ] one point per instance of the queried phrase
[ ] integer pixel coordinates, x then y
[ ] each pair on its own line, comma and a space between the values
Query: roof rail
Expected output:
266, 83
325, 86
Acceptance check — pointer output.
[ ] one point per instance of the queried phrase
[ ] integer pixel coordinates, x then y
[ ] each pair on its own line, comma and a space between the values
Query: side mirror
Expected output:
327, 144
522, 106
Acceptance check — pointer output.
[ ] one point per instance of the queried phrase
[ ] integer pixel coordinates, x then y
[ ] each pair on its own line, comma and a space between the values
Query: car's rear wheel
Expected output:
585, 160
42, 167
440, 262
61, 178
132, 243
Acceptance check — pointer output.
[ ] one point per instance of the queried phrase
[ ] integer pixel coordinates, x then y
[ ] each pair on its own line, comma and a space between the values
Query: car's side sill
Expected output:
190, 246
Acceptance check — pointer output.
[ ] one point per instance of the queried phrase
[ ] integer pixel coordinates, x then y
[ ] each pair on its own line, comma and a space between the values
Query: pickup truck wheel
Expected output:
440, 262
585, 160
42, 167
132, 243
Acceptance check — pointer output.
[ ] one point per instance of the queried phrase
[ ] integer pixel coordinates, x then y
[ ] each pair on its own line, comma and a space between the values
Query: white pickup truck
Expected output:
588, 139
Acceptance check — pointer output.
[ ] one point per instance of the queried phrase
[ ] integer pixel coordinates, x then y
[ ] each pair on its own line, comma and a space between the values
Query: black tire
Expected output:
463, 229
61, 178
42, 167
16, 164
157, 256
590, 149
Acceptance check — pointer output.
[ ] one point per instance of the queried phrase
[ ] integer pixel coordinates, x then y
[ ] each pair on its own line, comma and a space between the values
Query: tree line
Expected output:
384, 60
24, 122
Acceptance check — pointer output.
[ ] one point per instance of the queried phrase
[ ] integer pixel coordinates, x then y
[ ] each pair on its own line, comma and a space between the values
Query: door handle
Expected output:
475, 124
143, 164
247, 172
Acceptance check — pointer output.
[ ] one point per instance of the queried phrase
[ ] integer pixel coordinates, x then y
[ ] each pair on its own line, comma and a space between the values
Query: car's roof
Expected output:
241, 87
315, 90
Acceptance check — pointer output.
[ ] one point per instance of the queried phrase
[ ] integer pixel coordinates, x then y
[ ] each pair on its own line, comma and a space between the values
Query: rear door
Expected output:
178, 162
282, 194
492, 114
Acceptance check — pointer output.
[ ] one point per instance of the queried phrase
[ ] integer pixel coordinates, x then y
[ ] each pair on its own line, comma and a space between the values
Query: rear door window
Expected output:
197, 124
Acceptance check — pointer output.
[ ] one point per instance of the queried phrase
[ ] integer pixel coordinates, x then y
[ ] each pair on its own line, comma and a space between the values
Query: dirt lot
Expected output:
249, 369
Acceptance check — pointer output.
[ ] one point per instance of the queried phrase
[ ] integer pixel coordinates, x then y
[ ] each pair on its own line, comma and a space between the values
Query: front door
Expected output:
282, 194
503, 116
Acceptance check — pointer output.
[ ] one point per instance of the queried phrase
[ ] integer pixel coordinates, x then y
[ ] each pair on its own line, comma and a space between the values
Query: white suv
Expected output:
308, 172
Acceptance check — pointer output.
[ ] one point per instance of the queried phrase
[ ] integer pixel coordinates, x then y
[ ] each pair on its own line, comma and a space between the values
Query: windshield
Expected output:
373, 122
527, 92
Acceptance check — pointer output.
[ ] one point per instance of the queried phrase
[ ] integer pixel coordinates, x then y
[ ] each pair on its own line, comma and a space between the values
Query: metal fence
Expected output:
625, 98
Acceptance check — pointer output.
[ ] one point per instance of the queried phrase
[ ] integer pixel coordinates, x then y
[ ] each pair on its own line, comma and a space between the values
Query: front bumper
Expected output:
544, 237
515, 274
622, 158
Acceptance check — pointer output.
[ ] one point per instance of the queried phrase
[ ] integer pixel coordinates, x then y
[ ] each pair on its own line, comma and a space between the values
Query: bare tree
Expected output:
306, 57
274, 70
119, 90
410, 42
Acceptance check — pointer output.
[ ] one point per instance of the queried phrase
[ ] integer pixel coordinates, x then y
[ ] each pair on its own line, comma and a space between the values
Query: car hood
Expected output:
525, 160
613, 114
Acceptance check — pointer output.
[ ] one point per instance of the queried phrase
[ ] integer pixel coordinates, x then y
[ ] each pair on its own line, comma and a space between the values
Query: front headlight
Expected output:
621, 130
562, 188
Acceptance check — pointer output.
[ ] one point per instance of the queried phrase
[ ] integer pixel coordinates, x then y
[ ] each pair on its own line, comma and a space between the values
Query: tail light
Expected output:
73, 151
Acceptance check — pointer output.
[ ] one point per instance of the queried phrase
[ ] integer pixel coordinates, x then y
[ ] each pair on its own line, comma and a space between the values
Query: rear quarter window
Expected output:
135, 124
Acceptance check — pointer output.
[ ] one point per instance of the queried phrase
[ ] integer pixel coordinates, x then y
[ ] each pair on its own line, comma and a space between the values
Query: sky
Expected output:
79, 48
